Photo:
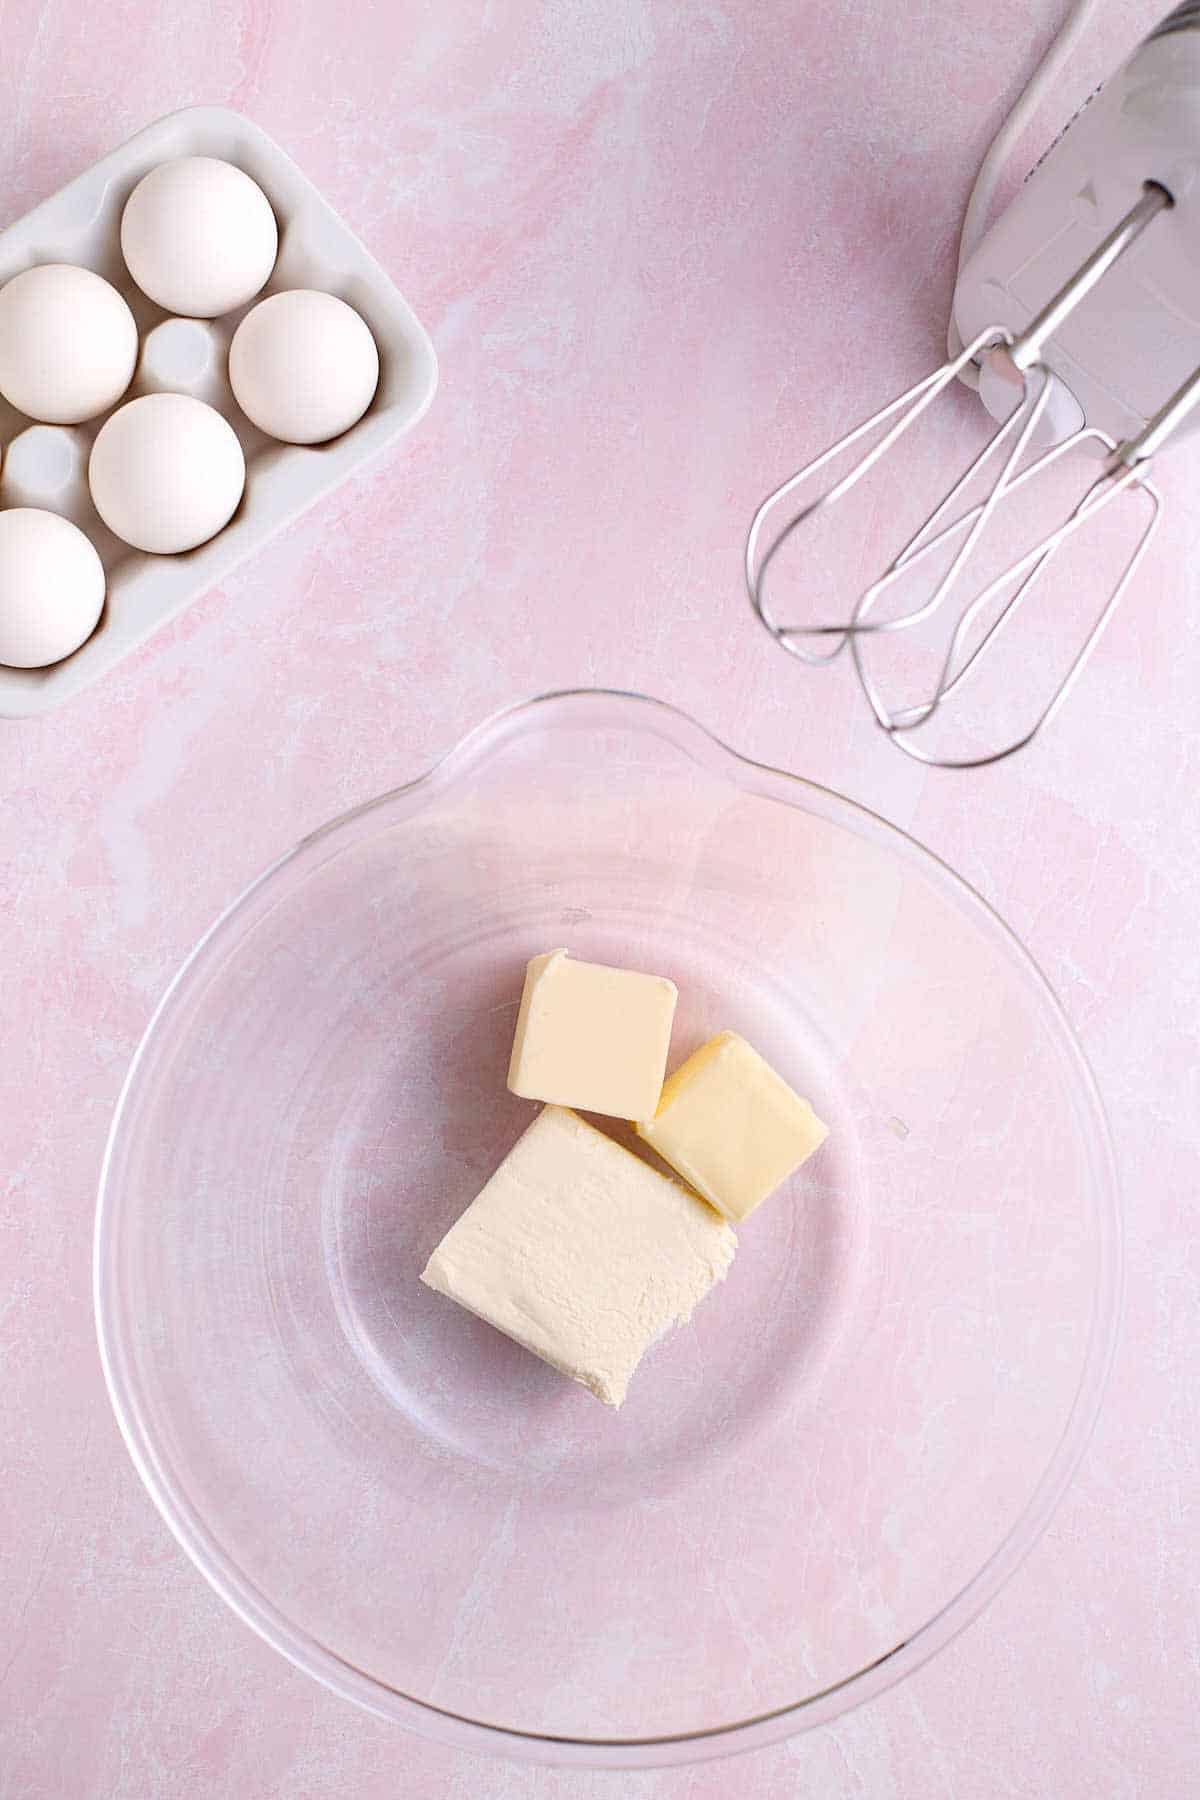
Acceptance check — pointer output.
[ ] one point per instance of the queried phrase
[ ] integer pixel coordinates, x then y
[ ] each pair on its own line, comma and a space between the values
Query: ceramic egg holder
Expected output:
46, 465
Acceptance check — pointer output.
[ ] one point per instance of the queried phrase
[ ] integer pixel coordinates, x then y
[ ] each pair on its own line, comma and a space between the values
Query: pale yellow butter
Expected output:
582, 1252
731, 1126
591, 1036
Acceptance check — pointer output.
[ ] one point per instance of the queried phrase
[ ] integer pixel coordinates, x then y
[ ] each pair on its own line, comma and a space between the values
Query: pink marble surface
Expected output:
663, 248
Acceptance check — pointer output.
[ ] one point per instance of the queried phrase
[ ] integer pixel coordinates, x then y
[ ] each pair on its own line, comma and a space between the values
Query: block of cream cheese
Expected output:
592, 1037
582, 1252
731, 1126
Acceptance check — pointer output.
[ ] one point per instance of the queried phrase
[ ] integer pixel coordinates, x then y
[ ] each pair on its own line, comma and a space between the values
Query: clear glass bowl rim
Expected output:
458, 1730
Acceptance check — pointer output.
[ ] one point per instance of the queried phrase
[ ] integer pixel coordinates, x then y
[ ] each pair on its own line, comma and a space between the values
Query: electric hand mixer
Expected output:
1077, 315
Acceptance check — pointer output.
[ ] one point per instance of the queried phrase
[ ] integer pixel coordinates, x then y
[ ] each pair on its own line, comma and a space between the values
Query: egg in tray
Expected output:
180, 390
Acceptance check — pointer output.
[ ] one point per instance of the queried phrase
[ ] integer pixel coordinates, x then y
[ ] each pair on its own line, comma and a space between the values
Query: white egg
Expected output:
51, 587
199, 236
68, 343
303, 366
166, 473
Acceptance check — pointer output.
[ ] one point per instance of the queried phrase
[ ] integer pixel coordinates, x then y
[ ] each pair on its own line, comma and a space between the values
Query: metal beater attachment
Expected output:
951, 535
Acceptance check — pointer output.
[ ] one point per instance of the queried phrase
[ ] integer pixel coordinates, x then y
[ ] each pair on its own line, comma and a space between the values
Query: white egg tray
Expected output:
46, 465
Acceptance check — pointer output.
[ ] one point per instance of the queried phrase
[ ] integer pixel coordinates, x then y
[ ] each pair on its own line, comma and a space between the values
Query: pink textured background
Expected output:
662, 248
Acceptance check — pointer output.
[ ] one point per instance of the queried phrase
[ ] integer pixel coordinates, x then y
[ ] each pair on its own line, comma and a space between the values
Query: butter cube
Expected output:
731, 1126
581, 1252
592, 1037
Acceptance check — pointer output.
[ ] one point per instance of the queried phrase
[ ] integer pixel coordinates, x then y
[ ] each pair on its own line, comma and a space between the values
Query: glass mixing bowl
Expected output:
814, 1484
